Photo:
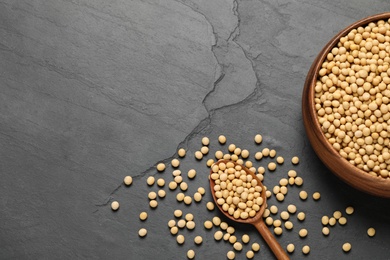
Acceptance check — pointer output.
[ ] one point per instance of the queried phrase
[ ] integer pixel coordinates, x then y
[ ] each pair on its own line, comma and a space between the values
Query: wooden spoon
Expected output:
257, 220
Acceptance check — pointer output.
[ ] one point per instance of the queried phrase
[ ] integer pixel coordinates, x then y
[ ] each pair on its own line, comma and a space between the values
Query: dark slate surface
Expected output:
92, 91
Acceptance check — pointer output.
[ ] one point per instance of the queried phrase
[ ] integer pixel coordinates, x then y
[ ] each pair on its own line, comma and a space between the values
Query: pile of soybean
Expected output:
352, 97
279, 218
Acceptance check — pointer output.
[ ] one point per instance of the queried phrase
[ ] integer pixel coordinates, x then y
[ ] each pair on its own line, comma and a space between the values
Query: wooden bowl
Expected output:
361, 180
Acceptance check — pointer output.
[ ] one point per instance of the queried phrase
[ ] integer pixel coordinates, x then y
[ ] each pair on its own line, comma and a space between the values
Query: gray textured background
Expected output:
92, 91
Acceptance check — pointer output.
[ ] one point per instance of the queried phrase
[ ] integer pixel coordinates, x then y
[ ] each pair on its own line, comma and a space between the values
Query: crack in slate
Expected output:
236, 31
108, 199
203, 124
256, 92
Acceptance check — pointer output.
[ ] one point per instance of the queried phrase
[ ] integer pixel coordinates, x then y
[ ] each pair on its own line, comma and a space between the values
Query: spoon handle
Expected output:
271, 241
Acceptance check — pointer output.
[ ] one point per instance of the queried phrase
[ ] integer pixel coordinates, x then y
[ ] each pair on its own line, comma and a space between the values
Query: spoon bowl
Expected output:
256, 220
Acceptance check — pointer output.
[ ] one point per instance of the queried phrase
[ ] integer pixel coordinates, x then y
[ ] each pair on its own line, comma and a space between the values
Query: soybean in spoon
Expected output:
246, 187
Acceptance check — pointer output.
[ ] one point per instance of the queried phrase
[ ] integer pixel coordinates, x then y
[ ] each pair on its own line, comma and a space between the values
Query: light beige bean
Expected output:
349, 210
218, 235
115, 205
180, 239
175, 163
295, 160
143, 216
255, 247
290, 248
142, 232
306, 249
301, 216
371, 232
198, 240
208, 224
160, 167
128, 180
303, 232
222, 139
181, 152
205, 141
347, 247
258, 139
190, 254
150, 180
230, 255
174, 230
325, 231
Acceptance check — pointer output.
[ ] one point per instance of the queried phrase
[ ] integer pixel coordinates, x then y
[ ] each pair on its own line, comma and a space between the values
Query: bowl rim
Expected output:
359, 179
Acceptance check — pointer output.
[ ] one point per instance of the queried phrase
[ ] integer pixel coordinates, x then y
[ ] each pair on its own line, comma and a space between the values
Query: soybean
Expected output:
371, 232
143, 216
232, 239
175, 163
153, 203
150, 180
160, 167
197, 197
230, 255
142, 232
222, 139
352, 90
316, 195
218, 235
255, 247
174, 230
181, 152
172, 185
325, 231
190, 225
290, 248
250, 254
295, 160
245, 239
216, 221
191, 174
272, 166
128, 180
160, 182
208, 224
237, 246
171, 223
201, 190
258, 139
198, 240
180, 239
288, 225
204, 150
183, 186
342, 221
303, 232
161, 193
210, 205
152, 195
190, 254
291, 208
349, 210
347, 247
198, 155
187, 200
181, 223
306, 249
115, 205
205, 141
301, 216
178, 213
